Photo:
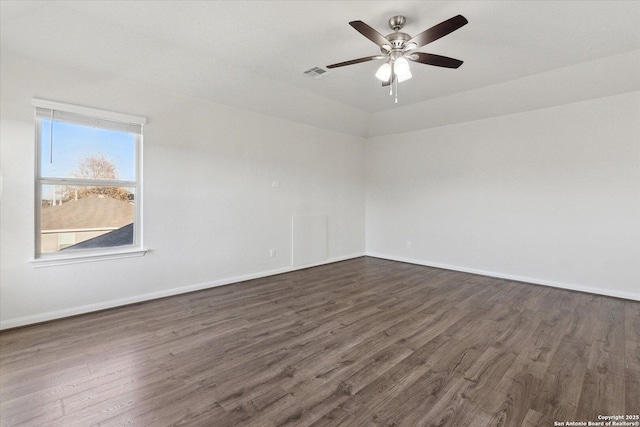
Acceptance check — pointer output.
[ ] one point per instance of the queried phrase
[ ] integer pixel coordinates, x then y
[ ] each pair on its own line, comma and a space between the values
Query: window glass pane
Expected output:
86, 217
78, 151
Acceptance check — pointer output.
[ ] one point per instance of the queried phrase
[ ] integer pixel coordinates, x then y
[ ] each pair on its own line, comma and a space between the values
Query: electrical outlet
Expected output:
272, 253
408, 244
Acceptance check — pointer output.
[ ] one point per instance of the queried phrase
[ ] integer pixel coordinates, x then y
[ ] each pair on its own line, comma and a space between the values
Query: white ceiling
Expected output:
252, 54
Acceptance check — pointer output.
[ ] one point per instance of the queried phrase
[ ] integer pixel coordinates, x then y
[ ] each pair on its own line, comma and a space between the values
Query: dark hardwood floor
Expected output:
363, 342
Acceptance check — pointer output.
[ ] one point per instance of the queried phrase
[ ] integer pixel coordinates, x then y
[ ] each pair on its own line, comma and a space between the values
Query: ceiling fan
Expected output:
398, 48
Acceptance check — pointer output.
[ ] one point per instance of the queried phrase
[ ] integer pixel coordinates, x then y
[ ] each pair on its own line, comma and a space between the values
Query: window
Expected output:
88, 183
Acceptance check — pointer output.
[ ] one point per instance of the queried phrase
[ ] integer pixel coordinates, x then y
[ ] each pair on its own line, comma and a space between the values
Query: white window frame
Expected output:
87, 255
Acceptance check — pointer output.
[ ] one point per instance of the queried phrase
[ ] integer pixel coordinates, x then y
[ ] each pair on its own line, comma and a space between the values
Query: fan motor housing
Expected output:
397, 40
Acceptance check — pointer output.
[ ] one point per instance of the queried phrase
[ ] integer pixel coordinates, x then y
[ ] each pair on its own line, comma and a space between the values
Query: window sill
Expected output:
53, 260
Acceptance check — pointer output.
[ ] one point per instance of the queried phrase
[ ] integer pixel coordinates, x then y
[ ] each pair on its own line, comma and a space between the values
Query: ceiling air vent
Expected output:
316, 72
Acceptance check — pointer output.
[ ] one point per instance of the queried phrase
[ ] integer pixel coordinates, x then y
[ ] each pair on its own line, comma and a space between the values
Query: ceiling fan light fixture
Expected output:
410, 46
384, 72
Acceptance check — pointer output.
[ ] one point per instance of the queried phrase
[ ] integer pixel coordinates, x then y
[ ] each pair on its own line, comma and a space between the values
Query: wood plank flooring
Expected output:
364, 342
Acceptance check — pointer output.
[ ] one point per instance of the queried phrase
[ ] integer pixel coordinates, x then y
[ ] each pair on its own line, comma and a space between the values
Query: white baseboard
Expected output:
44, 317
531, 280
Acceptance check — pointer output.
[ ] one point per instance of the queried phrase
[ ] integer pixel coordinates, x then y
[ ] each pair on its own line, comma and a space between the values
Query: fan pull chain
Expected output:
393, 77
396, 90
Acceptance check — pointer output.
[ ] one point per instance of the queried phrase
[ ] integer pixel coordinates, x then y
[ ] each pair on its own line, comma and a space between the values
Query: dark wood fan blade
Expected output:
369, 33
437, 60
356, 61
440, 30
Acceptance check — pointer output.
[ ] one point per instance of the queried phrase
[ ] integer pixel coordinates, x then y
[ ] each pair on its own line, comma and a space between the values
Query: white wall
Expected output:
549, 196
210, 212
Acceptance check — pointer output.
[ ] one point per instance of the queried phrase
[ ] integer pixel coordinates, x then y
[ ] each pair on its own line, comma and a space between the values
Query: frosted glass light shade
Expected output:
384, 72
401, 65
401, 68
